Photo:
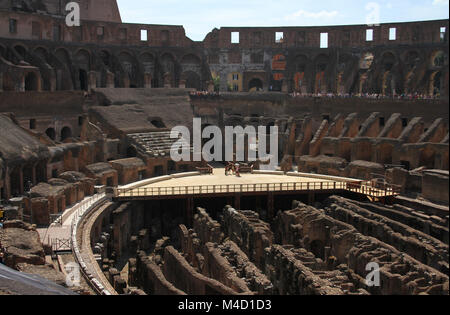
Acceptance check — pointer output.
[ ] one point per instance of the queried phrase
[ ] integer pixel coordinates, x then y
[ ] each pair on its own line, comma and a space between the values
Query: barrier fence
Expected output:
359, 187
83, 209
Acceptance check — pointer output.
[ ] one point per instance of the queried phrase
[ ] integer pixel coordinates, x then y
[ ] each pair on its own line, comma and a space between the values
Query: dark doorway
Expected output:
16, 187
83, 80
31, 83
51, 133
110, 182
131, 152
255, 85
318, 249
158, 171
406, 165
66, 133
437, 84
171, 167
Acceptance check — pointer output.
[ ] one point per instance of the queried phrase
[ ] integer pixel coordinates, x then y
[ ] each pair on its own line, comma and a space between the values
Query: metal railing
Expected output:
374, 190
359, 187
83, 209
230, 188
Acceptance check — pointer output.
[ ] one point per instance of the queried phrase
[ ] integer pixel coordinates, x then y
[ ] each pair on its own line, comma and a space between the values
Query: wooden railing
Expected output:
230, 188
359, 187
374, 190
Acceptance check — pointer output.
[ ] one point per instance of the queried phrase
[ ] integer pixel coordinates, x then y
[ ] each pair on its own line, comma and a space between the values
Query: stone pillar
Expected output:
52, 82
311, 198
284, 86
147, 80
22, 84
270, 207
167, 80
182, 84
92, 80
126, 81
39, 82
110, 80
237, 201
211, 87
190, 211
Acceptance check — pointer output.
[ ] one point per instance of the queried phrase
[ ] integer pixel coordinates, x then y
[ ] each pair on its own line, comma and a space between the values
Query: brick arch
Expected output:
192, 80
321, 66
41, 50
168, 69
104, 56
130, 69
20, 49
436, 57
147, 60
388, 57
301, 74
65, 75
82, 58
409, 56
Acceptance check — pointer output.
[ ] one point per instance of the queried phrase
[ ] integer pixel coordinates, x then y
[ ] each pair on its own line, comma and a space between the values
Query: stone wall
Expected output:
178, 271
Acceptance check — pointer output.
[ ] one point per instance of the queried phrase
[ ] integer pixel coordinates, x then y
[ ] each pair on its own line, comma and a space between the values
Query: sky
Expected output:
199, 17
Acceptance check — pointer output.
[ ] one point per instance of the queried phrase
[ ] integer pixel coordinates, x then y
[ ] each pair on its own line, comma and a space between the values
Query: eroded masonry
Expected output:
86, 177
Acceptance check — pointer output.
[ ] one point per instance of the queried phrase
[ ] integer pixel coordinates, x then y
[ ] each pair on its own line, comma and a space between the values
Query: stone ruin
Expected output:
321, 250
83, 108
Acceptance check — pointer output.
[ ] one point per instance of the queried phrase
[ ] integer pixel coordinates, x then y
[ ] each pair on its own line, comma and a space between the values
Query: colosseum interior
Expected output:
87, 179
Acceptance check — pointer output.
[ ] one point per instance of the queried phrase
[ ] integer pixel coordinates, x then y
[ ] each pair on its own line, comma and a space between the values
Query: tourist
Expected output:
236, 169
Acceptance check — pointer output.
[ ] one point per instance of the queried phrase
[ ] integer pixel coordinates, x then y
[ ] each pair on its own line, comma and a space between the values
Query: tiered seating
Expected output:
156, 144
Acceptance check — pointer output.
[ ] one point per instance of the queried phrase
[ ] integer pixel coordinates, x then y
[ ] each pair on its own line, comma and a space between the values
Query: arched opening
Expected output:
64, 78
388, 80
388, 61
16, 185
105, 57
427, 158
129, 69
51, 133
167, 73
191, 64
412, 60
321, 65
158, 123
438, 59
31, 82
66, 133
82, 76
436, 84
21, 51
27, 177
192, 80
131, 152
255, 85
148, 64
318, 249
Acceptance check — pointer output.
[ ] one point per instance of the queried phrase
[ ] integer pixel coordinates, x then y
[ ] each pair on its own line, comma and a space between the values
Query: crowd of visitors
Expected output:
415, 96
